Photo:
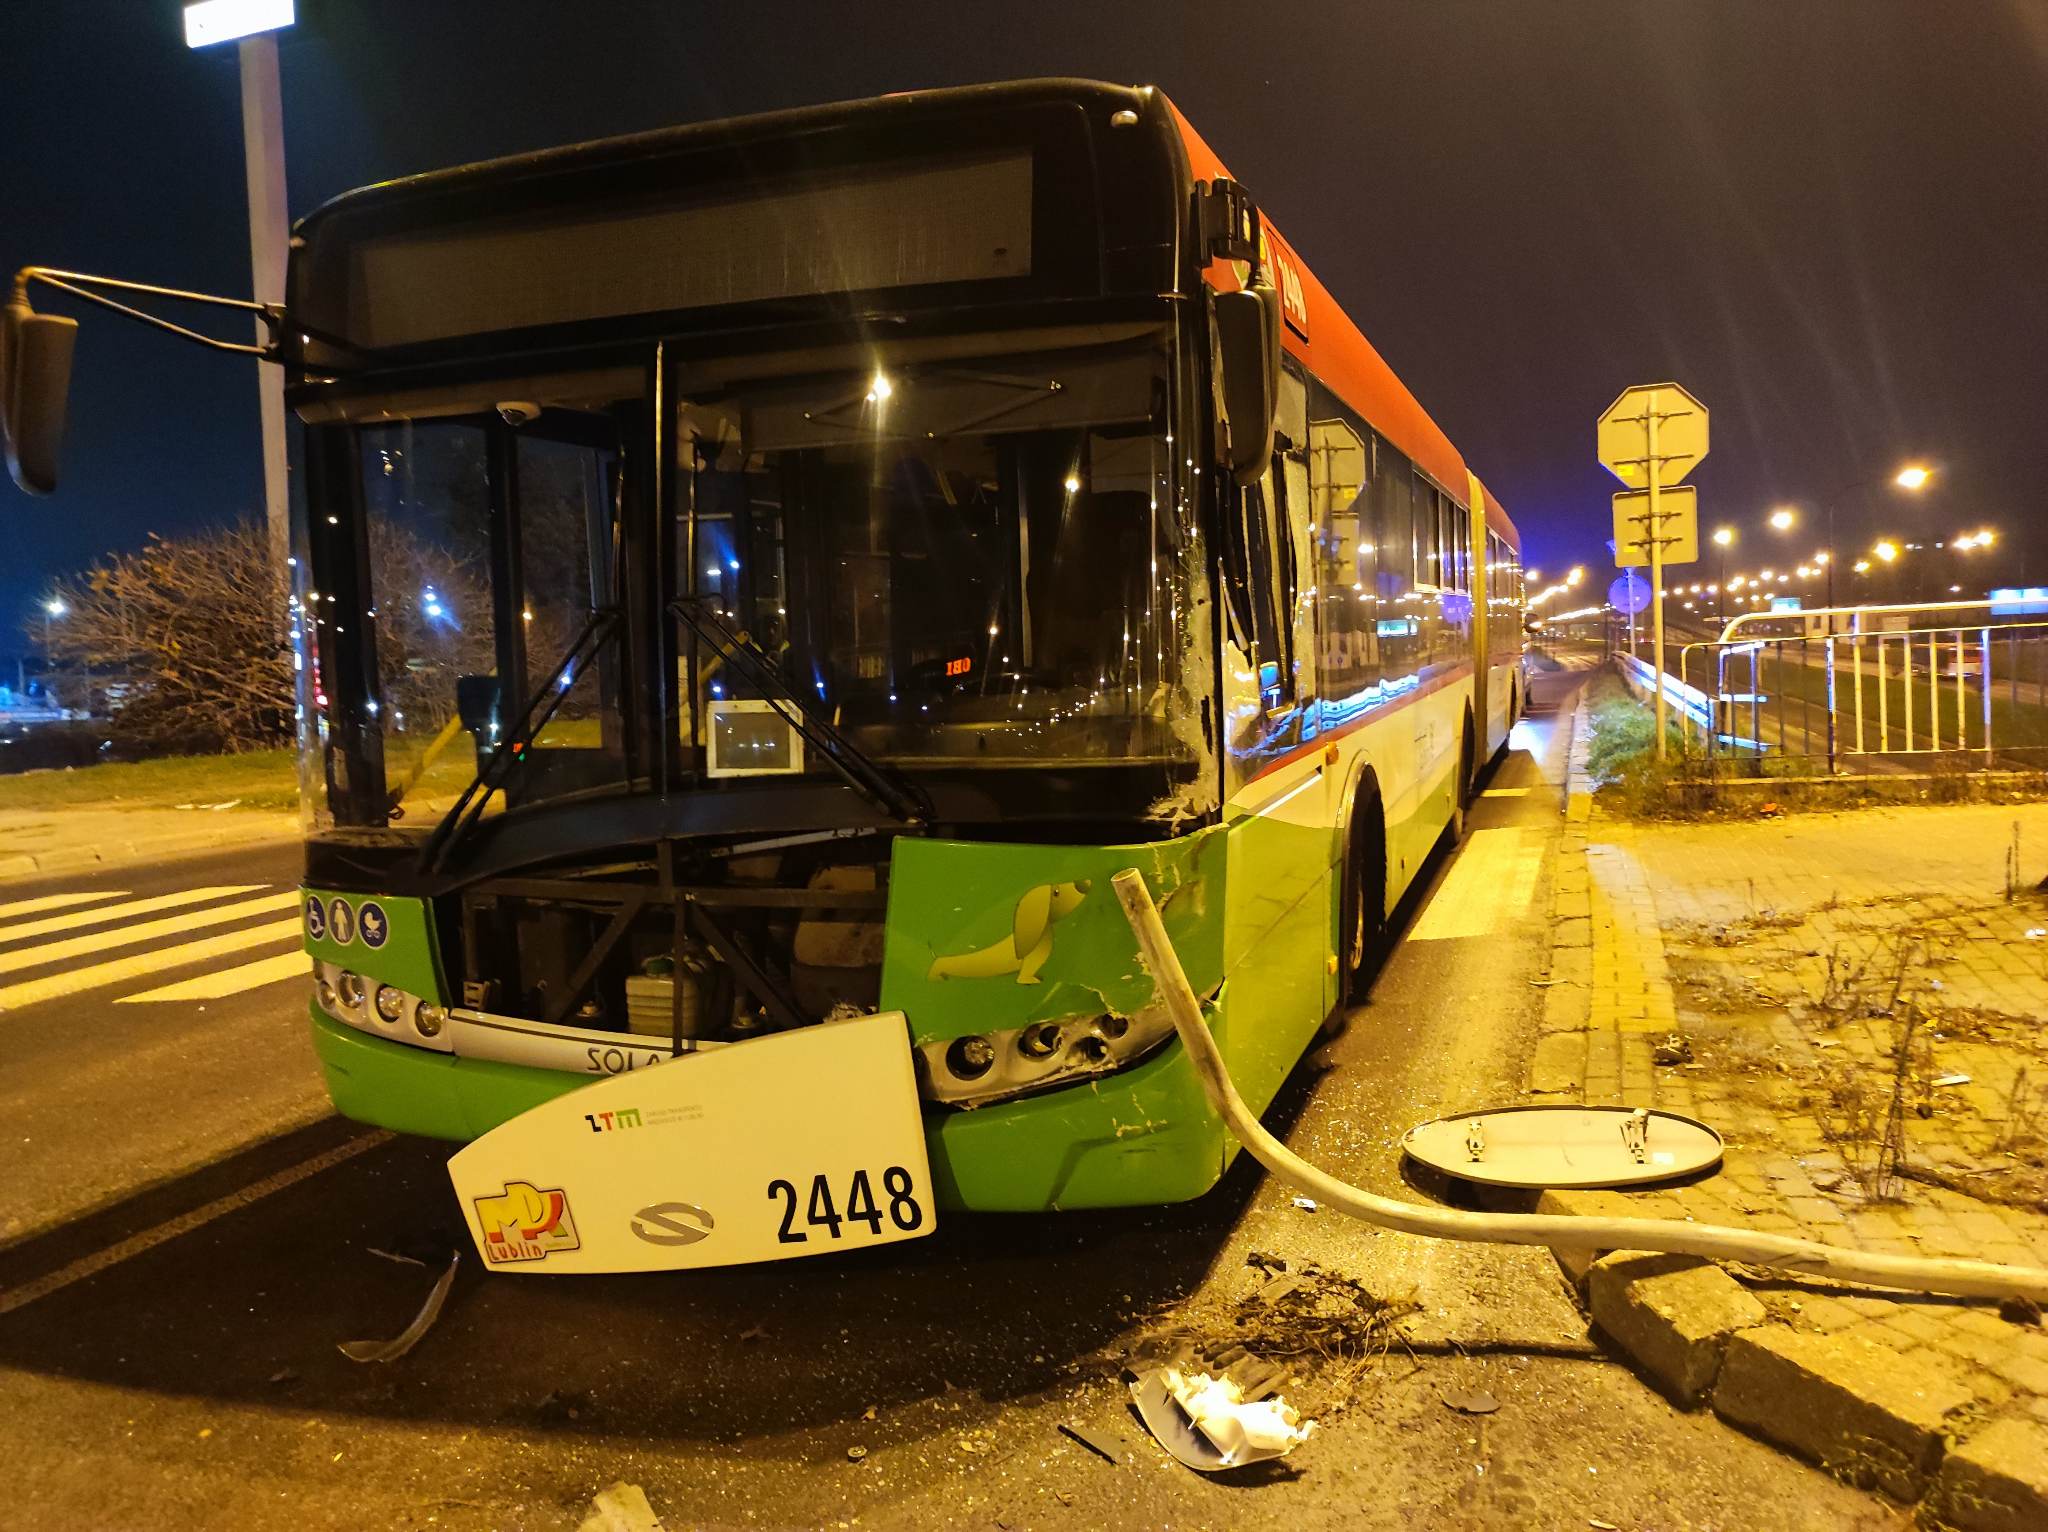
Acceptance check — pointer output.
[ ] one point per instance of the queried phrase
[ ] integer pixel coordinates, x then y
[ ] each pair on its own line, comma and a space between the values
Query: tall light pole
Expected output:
253, 25
52, 610
1724, 539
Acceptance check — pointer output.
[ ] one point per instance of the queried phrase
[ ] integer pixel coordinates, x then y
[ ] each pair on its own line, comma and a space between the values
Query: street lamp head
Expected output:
1862, 566
55, 607
1888, 551
1724, 536
1783, 519
1577, 574
1913, 476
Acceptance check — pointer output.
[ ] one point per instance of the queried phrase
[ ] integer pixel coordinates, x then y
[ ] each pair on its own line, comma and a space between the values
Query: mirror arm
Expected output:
79, 285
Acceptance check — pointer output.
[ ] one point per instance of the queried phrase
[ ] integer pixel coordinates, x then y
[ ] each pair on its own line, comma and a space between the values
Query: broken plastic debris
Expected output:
1207, 1424
395, 1256
1306, 1204
1953, 1080
620, 1507
1106, 1445
409, 1337
1471, 1401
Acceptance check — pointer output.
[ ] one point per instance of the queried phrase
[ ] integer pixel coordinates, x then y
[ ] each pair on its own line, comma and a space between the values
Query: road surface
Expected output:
168, 1359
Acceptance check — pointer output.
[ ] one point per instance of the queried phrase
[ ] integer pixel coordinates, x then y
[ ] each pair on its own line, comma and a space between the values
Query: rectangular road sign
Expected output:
1678, 509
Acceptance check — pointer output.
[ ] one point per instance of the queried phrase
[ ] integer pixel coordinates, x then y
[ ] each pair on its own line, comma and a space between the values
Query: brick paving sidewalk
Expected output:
1863, 1003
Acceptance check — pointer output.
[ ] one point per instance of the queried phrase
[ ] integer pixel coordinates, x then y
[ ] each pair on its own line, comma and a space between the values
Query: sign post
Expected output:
1650, 438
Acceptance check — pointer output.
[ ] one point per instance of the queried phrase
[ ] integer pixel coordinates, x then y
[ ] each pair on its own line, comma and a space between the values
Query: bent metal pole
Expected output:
1975, 1279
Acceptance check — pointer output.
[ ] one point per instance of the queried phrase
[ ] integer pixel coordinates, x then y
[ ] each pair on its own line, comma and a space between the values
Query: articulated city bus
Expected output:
776, 571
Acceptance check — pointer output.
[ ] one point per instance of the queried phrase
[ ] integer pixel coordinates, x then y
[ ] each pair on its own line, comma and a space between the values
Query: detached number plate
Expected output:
801, 1143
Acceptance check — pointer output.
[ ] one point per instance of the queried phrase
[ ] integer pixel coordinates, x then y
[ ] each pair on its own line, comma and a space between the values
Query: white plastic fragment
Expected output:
1206, 1422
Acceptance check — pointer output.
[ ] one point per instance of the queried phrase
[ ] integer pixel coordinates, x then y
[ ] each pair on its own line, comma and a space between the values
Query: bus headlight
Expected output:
427, 1020
994, 1066
350, 987
324, 993
390, 1003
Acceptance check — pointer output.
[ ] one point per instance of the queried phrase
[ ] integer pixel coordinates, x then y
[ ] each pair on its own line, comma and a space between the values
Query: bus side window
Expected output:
1267, 555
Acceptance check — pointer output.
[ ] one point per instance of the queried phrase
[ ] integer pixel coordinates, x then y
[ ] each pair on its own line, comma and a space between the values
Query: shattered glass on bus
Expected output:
958, 563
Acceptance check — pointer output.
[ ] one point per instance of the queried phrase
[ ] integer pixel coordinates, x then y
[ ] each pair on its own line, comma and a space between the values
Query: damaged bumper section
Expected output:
1045, 1075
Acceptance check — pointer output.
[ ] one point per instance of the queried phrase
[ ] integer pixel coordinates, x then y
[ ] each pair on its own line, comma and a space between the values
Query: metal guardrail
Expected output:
1870, 685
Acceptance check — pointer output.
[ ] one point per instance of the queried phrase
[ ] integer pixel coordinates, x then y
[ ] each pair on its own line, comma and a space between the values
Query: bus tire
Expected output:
1461, 786
1362, 921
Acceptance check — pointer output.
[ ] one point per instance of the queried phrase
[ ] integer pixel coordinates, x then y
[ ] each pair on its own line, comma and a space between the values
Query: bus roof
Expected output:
1337, 352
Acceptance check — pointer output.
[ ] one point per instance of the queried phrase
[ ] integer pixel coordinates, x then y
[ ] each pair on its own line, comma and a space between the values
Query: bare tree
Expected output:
189, 633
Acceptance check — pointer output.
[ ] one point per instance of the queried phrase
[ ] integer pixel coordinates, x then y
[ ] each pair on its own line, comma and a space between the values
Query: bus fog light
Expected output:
324, 993
427, 1020
390, 1002
970, 1057
351, 990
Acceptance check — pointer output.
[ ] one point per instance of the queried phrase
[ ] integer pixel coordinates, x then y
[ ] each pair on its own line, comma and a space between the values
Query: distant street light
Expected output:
1887, 551
1783, 519
52, 610
1912, 476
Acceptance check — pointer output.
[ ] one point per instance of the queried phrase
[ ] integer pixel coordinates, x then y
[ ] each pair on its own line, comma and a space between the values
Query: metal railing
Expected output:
1866, 688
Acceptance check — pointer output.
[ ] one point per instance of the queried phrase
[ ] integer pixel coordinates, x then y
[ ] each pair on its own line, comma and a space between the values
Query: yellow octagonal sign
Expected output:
1664, 412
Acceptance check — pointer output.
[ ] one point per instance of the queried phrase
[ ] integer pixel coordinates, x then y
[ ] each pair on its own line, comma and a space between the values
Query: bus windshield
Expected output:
969, 564
962, 563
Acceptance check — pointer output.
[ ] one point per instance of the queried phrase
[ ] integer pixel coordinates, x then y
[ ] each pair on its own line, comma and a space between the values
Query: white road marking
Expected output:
185, 1223
229, 981
148, 930
57, 902
1492, 882
34, 991
77, 918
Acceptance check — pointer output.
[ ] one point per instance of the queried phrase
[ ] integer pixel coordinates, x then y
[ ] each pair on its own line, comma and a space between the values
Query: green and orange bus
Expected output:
778, 570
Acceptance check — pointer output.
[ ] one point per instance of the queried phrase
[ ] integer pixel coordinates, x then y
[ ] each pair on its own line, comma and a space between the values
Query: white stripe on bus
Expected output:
57, 901
230, 981
1492, 882
148, 930
79, 918
14, 997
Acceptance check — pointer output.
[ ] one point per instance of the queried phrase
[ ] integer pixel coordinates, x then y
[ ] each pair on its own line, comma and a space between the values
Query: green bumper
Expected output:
1140, 1137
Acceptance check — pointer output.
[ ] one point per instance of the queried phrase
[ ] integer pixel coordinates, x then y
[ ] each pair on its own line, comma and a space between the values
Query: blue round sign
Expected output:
1629, 593
371, 922
341, 920
316, 918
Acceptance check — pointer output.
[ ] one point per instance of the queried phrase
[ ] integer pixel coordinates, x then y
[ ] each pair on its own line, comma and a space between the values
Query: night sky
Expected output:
1828, 218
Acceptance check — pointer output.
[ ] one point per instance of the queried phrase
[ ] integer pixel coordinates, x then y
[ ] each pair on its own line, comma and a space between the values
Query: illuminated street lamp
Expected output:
1912, 476
1887, 551
52, 610
1783, 519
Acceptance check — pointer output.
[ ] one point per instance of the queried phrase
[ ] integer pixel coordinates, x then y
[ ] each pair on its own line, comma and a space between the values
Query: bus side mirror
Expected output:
35, 385
1248, 384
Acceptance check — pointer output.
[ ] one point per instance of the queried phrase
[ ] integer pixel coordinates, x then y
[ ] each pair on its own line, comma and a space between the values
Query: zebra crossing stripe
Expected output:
14, 997
148, 930
77, 918
57, 902
229, 981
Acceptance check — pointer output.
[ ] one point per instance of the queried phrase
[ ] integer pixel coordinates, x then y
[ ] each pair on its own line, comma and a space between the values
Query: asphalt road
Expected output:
169, 1360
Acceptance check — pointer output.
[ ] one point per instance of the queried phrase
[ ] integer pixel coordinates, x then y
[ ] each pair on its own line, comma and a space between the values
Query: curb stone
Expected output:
1673, 1314
1997, 1481
1862, 1411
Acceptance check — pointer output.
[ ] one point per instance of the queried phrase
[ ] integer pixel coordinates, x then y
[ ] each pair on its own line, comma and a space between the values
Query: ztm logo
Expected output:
604, 1122
525, 1223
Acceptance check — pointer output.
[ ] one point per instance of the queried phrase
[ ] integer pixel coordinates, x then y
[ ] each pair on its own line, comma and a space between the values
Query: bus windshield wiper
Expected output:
491, 776
886, 790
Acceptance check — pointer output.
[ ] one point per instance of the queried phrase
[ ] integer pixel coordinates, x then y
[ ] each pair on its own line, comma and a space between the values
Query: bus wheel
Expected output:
1363, 913
1461, 786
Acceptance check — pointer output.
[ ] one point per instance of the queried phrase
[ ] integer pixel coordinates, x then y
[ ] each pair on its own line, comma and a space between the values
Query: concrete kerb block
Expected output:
1672, 1315
1869, 1414
1997, 1481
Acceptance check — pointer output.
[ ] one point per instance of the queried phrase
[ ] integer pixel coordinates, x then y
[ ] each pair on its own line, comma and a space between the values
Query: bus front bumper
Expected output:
1143, 1136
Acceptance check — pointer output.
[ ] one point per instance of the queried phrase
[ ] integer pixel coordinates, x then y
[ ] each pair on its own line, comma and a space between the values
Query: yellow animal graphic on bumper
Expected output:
1024, 951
